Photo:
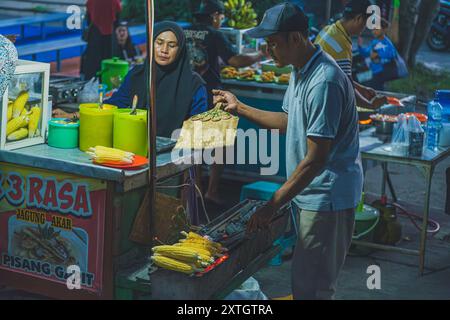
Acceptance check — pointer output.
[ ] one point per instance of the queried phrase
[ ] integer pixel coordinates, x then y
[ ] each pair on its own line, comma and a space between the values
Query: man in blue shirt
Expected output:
324, 170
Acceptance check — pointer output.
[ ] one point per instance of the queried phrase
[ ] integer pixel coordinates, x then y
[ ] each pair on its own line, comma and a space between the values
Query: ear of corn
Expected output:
103, 154
19, 103
194, 237
16, 123
19, 134
10, 110
203, 253
34, 117
184, 254
172, 264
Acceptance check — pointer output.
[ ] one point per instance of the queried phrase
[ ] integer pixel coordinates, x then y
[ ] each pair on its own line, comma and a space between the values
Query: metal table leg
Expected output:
384, 178
423, 237
193, 204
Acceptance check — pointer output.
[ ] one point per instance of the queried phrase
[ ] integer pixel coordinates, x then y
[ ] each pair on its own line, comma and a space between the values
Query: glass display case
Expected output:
242, 42
25, 108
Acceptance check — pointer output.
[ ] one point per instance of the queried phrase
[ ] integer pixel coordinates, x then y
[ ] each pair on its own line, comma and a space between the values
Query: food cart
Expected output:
59, 209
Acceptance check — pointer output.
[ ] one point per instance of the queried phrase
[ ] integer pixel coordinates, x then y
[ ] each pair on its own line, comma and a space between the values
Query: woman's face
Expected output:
166, 48
122, 34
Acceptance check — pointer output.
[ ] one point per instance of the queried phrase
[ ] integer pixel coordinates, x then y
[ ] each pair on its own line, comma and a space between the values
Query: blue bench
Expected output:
71, 42
263, 190
40, 19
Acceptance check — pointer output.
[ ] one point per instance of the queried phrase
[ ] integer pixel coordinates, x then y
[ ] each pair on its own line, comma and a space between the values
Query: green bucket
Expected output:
366, 220
63, 134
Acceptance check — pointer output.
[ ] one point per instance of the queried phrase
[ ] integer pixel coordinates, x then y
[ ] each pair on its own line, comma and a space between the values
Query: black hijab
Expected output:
176, 85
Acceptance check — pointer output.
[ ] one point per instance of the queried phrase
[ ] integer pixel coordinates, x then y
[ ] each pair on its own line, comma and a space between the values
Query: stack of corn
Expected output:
111, 156
21, 122
190, 255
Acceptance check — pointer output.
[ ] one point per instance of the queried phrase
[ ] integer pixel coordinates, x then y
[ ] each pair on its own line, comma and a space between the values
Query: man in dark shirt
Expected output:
206, 45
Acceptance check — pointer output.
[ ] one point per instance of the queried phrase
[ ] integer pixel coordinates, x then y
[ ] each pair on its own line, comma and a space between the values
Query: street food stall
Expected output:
61, 206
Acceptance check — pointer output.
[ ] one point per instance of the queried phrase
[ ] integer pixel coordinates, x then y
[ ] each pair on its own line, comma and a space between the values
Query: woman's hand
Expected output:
11, 37
229, 101
58, 113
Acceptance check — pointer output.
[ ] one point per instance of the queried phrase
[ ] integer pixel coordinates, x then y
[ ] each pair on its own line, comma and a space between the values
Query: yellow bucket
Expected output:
130, 131
96, 125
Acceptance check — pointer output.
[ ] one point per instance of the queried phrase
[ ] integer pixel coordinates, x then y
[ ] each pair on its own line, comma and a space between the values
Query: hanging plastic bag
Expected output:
90, 92
416, 137
249, 290
400, 137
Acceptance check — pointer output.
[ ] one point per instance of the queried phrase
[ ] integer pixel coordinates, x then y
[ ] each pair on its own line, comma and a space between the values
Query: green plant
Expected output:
421, 81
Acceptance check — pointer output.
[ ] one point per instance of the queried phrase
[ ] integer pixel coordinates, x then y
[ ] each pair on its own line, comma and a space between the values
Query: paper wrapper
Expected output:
208, 135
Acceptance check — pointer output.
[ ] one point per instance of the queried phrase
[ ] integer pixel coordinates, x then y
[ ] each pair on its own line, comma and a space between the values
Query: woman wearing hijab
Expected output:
101, 15
8, 59
180, 92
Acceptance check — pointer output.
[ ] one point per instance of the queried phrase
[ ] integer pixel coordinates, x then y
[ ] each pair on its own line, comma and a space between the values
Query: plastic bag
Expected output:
416, 137
90, 93
249, 290
25, 82
400, 137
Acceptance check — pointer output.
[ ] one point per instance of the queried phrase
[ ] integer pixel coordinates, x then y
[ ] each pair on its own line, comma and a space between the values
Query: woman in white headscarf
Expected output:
8, 59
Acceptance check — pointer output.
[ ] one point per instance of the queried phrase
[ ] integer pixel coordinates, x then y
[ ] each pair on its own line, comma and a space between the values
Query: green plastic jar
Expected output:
63, 134
130, 131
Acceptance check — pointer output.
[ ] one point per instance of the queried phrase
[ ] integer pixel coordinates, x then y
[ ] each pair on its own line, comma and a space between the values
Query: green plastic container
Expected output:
130, 131
113, 72
63, 134
96, 125
366, 219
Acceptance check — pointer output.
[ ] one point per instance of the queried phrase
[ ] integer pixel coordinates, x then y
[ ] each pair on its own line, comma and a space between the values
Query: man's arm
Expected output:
307, 170
265, 119
245, 60
367, 97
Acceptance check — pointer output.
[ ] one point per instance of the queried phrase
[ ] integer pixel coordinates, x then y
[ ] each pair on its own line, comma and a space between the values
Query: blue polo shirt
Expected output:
320, 102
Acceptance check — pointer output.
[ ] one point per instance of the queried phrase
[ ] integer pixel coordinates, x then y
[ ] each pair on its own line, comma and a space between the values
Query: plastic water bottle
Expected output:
434, 124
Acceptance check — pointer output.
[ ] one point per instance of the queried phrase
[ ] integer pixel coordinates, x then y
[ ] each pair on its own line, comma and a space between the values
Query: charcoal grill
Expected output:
246, 254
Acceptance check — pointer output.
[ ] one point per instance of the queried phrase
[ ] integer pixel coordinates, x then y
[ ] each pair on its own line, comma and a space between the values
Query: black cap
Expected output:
285, 17
356, 7
208, 7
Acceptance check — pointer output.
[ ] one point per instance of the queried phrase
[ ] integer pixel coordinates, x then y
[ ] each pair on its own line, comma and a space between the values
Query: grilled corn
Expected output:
20, 134
34, 117
19, 103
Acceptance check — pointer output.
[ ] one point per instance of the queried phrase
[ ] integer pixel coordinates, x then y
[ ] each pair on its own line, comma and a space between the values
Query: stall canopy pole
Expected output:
328, 11
152, 112
142, 232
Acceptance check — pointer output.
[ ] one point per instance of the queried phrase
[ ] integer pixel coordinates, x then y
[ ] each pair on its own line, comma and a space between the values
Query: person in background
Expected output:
336, 40
101, 16
382, 53
207, 45
123, 45
8, 59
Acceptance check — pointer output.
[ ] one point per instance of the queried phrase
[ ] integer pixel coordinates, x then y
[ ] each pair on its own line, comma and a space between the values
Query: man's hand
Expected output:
11, 37
58, 113
379, 101
230, 102
261, 218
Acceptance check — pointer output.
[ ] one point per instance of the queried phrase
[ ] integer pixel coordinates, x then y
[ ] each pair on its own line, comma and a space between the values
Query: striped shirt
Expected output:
335, 41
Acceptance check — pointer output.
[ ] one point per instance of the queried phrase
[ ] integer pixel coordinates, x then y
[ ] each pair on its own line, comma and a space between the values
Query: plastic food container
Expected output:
130, 131
96, 125
63, 133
